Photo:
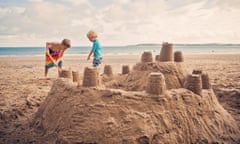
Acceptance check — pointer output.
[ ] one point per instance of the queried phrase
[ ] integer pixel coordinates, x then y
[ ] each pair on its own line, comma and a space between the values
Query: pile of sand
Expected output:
136, 80
75, 114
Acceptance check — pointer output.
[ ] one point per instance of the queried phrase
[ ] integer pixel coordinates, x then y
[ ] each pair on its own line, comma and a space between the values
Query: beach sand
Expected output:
22, 89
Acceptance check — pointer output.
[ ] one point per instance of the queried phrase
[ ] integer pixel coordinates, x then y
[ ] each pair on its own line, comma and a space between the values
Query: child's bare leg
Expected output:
46, 72
59, 70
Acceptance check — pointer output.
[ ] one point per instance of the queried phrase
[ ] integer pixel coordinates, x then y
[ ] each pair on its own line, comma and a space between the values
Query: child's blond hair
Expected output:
92, 34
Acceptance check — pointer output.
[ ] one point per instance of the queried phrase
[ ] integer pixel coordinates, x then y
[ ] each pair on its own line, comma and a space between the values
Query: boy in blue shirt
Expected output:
96, 49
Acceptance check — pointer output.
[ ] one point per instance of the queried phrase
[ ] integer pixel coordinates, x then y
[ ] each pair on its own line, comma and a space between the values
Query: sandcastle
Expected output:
125, 69
147, 57
91, 77
166, 53
108, 70
76, 76
156, 84
96, 115
149, 105
178, 56
66, 74
194, 83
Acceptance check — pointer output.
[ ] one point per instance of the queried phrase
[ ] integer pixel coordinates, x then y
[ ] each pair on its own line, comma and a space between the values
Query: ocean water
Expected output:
128, 50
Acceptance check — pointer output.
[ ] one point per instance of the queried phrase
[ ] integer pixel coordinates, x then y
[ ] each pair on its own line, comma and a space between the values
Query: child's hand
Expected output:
55, 64
88, 58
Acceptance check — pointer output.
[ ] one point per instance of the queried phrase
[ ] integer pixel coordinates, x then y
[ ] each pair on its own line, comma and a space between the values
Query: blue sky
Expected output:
119, 22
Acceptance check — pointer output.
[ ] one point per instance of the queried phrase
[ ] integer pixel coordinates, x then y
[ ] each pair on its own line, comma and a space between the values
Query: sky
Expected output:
119, 22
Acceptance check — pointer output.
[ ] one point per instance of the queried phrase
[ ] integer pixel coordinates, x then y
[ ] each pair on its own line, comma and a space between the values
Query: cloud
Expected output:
121, 22
14, 10
35, 0
77, 2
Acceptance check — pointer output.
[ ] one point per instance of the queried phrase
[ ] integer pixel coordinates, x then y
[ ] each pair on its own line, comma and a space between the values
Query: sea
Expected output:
127, 50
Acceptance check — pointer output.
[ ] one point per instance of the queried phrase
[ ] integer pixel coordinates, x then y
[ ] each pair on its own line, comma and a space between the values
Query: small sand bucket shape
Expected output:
91, 77
125, 69
206, 81
166, 53
108, 70
156, 84
66, 74
157, 58
194, 83
178, 56
147, 57
76, 76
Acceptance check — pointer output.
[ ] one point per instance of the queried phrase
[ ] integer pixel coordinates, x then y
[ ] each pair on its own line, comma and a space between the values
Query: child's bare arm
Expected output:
60, 58
89, 55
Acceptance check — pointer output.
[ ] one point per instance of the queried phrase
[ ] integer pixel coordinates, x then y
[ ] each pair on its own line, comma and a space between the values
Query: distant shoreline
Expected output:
127, 50
140, 44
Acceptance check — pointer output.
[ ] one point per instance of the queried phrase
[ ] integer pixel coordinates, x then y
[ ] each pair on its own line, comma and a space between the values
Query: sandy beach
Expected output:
22, 90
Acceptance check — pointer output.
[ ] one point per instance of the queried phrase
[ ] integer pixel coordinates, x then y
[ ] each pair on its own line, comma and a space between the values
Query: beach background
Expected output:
127, 50
22, 89
206, 32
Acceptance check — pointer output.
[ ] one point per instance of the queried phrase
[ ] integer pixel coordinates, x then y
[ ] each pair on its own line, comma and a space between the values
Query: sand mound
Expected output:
174, 73
72, 114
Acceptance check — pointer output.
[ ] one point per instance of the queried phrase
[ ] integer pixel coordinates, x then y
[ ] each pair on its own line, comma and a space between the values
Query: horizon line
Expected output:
139, 44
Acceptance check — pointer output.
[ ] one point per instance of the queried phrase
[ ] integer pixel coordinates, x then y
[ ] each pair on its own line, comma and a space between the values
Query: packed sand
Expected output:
23, 92
74, 114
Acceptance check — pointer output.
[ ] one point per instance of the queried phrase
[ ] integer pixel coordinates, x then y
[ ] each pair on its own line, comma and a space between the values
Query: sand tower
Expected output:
206, 81
125, 69
147, 57
157, 58
178, 56
108, 70
194, 83
156, 84
166, 53
66, 74
76, 76
91, 77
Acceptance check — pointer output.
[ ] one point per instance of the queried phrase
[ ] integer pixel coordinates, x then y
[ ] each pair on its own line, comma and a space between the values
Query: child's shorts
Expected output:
50, 65
97, 61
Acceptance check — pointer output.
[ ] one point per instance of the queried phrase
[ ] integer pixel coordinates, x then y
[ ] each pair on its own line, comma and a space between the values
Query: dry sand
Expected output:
23, 90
